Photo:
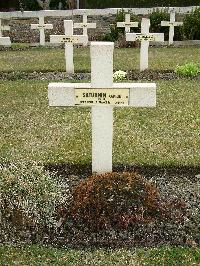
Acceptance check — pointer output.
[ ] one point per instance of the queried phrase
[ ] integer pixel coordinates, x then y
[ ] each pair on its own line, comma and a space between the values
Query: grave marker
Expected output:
127, 24
102, 95
144, 37
69, 39
171, 24
85, 25
41, 27
3, 28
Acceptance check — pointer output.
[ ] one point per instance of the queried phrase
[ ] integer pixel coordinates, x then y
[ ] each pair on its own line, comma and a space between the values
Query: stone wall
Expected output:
21, 28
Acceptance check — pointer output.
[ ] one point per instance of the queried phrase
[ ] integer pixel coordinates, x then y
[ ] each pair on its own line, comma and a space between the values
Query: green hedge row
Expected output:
139, 3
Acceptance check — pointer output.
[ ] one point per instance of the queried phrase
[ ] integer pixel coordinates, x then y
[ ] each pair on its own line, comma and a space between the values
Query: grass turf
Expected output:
165, 135
36, 255
45, 59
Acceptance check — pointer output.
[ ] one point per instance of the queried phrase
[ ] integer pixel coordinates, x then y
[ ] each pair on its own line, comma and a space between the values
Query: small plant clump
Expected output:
120, 200
188, 70
29, 198
119, 75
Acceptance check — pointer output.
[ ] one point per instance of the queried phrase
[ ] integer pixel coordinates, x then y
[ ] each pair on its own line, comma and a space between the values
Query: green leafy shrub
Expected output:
188, 70
191, 25
29, 198
119, 200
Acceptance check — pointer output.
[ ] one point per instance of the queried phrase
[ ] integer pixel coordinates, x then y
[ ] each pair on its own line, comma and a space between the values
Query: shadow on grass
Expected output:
85, 170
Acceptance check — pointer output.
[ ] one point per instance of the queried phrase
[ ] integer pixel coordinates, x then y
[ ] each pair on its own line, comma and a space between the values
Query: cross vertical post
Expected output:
2, 28
145, 25
69, 50
102, 116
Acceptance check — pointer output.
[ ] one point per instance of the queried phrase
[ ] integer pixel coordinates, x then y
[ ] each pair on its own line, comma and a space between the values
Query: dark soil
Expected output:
150, 75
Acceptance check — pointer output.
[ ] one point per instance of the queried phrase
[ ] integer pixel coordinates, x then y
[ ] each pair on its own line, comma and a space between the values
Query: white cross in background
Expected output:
144, 37
41, 27
102, 95
171, 24
85, 25
127, 24
2, 28
69, 39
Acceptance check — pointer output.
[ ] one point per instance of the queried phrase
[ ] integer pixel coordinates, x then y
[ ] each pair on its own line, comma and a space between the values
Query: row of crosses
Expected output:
85, 26
69, 39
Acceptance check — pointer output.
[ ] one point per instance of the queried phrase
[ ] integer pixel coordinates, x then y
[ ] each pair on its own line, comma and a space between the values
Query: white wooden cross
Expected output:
144, 37
102, 95
69, 39
5, 41
2, 28
85, 25
127, 24
171, 24
41, 27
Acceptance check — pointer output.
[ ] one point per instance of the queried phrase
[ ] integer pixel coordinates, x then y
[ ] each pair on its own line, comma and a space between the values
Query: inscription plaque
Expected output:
143, 37
113, 97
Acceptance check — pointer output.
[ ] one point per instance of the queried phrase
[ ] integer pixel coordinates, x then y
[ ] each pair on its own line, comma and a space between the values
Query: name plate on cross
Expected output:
100, 97
143, 37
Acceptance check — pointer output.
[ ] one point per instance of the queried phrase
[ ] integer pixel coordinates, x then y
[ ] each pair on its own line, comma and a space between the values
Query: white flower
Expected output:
119, 75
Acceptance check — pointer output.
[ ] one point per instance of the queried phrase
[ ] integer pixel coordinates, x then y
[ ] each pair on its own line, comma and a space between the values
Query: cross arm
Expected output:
85, 25
159, 37
5, 41
38, 26
6, 27
76, 39
139, 94
128, 24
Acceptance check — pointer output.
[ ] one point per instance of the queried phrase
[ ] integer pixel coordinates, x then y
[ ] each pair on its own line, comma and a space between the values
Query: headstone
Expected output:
171, 24
5, 41
102, 95
127, 24
41, 27
144, 37
3, 28
85, 25
69, 39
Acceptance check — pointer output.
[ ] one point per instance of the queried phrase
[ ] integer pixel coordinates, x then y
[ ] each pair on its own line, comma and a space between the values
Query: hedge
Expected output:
139, 3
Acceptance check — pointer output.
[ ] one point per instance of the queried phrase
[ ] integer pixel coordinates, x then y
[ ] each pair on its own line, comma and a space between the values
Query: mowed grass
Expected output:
165, 135
47, 59
36, 255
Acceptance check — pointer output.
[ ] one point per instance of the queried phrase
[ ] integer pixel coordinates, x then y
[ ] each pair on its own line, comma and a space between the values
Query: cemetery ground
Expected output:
161, 144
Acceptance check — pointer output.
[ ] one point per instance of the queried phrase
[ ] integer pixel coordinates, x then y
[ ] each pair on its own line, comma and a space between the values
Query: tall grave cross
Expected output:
2, 28
41, 27
102, 95
127, 24
144, 37
171, 24
85, 25
69, 39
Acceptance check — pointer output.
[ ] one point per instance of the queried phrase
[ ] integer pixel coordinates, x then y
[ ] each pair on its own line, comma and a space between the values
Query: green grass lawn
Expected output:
35, 256
45, 59
165, 135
